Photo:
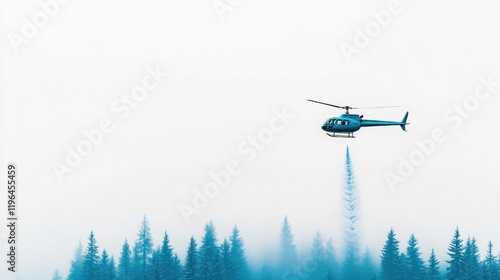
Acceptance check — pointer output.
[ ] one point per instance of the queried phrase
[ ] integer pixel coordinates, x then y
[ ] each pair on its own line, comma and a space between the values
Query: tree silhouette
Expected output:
391, 259
209, 255
191, 265
125, 263
226, 261
433, 268
91, 269
76, 268
368, 267
156, 271
330, 261
456, 253
318, 256
143, 250
177, 268
414, 263
288, 253
491, 268
239, 266
107, 267
166, 258
56, 276
472, 265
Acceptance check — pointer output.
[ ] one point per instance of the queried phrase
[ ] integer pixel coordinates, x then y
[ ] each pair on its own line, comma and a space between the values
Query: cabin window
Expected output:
341, 122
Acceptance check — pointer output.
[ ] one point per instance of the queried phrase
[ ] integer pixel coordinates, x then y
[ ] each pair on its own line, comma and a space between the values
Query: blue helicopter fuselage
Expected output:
343, 123
347, 123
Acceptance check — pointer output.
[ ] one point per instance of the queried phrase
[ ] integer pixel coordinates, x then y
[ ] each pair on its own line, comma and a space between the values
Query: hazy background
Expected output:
227, 77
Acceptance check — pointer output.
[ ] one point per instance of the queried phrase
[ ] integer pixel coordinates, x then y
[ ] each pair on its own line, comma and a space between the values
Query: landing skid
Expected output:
342, 135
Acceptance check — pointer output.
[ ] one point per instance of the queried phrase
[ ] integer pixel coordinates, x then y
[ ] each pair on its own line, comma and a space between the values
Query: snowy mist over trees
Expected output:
214, 257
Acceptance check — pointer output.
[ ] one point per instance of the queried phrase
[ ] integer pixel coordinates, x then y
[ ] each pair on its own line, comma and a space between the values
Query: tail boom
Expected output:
367, 123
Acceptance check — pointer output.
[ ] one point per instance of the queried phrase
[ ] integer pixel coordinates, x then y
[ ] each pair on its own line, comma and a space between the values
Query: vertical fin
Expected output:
403, 122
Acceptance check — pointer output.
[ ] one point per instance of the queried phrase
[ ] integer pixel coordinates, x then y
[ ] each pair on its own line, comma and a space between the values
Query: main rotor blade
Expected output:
336, 106
377, 107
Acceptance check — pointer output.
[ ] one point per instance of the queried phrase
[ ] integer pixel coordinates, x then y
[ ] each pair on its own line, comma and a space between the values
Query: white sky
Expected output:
227, 77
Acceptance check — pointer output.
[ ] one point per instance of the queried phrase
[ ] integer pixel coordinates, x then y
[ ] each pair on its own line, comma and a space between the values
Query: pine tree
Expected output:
472, 266
166, 259
191, 267
318, 248
456, 253
143, 250
107, 267
239, 266
491, 269
209, 255
156, 267
288, 254
103, 264
177, 268
318, 256
226, 261
433, 268
56, 276
125, 263
330, 261
368, 268
91, 269
76, 269
414, 263
391, 260
351, 207
112, 269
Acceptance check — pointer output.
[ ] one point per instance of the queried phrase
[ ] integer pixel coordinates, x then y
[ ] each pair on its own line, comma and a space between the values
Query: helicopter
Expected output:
346, 124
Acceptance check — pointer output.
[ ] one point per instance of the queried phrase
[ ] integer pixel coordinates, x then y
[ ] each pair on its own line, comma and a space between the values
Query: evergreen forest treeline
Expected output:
213, 259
